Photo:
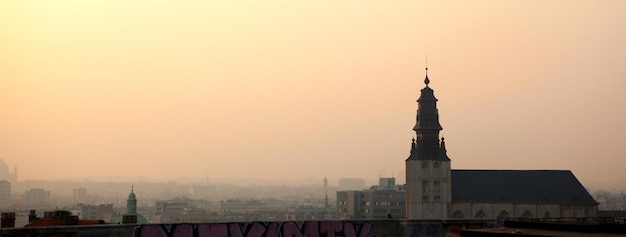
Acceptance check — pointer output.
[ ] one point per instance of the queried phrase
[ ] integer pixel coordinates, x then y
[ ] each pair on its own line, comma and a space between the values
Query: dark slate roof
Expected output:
518, 186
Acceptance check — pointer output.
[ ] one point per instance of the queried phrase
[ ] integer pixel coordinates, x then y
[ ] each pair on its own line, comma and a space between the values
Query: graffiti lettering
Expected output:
259, 229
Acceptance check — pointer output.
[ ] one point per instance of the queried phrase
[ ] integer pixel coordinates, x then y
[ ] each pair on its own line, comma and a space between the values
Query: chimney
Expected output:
32, 216
8, 220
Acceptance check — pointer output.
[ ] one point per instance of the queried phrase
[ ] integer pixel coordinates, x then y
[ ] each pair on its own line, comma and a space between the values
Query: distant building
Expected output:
5, 174
80, 195
351, 184
96, 212
182, 210
5, 194
308, 211
131, 216
37, 198
435, 191
304, 212
611, 202
240, 206
383, 201
201, 191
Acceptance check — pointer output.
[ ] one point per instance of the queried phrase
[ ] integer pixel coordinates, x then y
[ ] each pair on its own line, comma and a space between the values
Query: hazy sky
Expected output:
302, 89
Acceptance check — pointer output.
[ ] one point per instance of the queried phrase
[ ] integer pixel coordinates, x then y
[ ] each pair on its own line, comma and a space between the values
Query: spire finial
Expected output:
426, 81
132, 188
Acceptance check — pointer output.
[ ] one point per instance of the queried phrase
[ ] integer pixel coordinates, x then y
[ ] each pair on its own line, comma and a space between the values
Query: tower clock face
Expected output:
424, 164
437, 164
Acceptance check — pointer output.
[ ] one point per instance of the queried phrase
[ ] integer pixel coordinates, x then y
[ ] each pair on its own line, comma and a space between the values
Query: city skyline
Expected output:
287, 90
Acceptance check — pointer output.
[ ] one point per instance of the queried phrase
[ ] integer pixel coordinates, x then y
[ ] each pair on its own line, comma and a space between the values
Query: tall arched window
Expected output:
425, 190
480, 214
436, 190
502, 217
458, 214
547, 215
527, 214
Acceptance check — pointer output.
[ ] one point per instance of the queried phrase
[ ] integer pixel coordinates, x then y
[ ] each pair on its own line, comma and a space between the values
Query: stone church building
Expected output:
435, 191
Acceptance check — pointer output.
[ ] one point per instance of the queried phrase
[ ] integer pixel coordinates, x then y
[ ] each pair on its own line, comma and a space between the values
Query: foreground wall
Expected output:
374, 228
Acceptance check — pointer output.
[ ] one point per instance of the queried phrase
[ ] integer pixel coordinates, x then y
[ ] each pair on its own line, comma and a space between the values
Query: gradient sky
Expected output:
302, 89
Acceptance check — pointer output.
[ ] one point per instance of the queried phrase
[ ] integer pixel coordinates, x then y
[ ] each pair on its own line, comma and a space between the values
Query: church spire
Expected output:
130, 217
428, 174
426, 80
131, 202
326, 204
443, 153
427, 126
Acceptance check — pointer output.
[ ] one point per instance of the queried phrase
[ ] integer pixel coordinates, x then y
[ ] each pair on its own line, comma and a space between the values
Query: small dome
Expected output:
131, 196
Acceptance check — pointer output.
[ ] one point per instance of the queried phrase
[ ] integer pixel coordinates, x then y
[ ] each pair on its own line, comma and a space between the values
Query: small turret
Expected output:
131, 208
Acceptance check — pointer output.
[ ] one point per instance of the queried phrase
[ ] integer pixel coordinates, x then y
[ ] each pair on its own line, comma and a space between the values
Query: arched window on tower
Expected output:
436, 190
547, 215
458, 214
425, 190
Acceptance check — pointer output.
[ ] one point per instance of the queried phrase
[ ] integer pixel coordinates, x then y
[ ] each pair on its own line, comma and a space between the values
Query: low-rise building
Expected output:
5, 194
37, 198
386, 200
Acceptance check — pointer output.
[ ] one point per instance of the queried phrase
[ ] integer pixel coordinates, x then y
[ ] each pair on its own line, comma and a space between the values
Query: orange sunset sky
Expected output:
301, 89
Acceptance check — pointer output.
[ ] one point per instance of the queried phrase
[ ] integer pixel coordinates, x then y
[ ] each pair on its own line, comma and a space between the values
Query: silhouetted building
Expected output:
5, 194
37, 198
530, 194
611, 202
97, 212
182, 210
428, 166
80, 195
130, 217
434, 191
7, 175
240, 206
306, 212
7, 220
386, 200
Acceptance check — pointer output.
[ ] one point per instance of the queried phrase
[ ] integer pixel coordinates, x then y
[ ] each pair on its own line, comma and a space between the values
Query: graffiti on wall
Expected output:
259, 229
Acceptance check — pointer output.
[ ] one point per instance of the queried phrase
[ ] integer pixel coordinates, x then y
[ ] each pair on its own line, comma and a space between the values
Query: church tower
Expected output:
131, 208
428, 184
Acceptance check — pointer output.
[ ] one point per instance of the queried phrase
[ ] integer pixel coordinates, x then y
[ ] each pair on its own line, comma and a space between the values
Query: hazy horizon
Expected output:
298, 90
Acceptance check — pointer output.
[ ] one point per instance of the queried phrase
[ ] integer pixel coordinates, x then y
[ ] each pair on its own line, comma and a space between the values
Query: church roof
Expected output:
518, 186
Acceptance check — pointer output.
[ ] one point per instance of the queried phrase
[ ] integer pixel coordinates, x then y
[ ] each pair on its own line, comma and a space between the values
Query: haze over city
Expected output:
289, 90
